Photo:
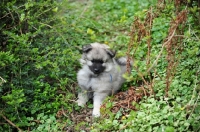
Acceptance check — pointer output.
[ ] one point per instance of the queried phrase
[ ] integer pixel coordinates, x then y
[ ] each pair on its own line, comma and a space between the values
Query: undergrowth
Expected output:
40, 44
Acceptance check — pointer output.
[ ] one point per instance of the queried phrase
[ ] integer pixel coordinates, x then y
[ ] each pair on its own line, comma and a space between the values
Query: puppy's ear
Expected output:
86, 48
111, 53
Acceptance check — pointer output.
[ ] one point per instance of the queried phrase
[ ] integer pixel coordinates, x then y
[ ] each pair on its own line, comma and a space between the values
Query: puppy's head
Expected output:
98, 57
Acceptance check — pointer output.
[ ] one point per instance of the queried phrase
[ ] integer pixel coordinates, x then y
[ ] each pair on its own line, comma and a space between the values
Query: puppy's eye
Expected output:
97, 61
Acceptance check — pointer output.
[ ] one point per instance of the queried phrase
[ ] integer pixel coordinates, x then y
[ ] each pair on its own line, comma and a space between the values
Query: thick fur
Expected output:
100, 76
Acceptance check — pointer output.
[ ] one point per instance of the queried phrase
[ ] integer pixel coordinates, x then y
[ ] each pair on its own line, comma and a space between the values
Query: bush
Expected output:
38, 63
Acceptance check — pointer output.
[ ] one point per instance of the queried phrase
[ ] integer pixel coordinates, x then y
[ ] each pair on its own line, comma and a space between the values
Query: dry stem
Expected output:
11, 123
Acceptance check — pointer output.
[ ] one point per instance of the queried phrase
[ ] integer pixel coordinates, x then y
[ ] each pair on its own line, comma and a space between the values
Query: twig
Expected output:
2, 81
10, 12
194, 90
156, 61
11, 123
149, 38
63, 112
181, 17
144, 91
128, 124
195, 104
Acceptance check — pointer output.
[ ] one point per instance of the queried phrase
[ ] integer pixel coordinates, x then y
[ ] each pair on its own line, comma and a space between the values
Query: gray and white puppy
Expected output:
100, 76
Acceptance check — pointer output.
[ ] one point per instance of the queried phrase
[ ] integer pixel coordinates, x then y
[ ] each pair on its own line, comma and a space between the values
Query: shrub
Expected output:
38, 64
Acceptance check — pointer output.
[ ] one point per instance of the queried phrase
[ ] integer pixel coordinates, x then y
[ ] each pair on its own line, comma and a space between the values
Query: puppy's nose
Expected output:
96, 70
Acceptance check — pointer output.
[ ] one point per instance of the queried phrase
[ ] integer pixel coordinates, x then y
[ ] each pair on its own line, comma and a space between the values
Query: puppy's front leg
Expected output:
82, 98
97, 101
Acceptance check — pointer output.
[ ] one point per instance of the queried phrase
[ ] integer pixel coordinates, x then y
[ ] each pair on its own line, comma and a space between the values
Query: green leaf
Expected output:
90, 106
109, 104
22, 17
169, 129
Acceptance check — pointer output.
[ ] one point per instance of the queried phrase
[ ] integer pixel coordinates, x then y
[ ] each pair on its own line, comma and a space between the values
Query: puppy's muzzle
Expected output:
96, 71
97, 67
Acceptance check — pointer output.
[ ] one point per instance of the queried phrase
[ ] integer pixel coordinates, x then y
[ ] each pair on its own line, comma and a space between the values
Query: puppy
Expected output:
100, 75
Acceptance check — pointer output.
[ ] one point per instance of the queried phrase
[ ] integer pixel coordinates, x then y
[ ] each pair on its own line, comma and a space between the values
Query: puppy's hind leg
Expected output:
97, 102
82, 98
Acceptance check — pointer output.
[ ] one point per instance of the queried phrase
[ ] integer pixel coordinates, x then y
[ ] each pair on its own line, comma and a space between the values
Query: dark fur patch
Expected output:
111, 53
97, 66
86, 48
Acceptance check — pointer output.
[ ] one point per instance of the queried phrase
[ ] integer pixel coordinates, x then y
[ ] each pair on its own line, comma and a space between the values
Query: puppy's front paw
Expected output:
80, 102
96, 112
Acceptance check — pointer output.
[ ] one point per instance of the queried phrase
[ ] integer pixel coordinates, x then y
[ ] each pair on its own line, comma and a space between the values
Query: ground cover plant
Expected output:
39, 51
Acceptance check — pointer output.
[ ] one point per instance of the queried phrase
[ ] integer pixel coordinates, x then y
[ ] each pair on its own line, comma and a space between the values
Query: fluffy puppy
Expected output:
100, 75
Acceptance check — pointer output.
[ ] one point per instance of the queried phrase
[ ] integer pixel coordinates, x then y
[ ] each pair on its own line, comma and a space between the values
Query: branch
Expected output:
11, 123
193, 95
2, 81
156, 61
10, 12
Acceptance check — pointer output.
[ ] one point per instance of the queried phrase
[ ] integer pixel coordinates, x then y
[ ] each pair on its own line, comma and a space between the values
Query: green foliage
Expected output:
47, 123
14, 99
39, 52
153, 115
38, 64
